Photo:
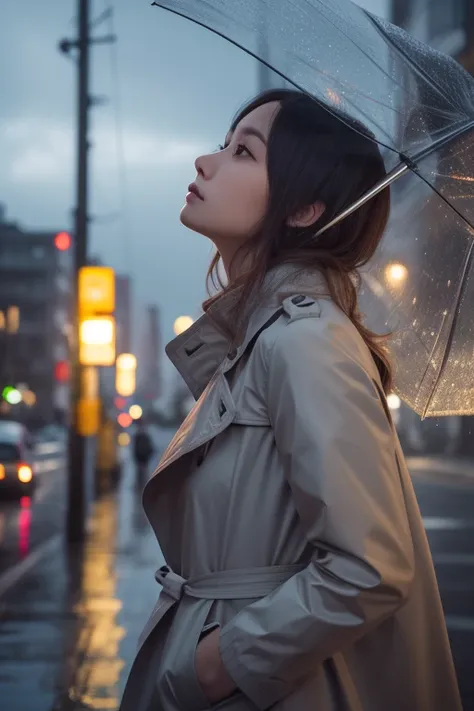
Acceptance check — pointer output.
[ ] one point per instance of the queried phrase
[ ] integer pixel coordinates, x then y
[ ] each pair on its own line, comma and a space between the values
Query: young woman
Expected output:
298, 573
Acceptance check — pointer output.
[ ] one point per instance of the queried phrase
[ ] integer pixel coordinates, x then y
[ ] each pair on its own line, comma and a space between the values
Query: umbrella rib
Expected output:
449, 342
397, 173
390, 178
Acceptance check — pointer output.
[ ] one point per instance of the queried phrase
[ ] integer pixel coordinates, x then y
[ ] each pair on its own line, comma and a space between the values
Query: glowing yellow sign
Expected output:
97, 341
96, 290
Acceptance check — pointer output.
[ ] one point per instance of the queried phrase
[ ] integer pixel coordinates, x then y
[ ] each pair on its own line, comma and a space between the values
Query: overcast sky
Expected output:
179, 86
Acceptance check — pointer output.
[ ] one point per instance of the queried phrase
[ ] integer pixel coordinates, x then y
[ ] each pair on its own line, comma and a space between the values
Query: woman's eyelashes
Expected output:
240, 149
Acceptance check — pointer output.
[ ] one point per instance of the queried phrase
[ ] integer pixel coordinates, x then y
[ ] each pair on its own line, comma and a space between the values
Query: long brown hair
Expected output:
314, 155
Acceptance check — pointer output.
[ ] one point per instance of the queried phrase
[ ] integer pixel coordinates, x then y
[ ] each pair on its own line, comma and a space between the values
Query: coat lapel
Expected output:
211, 415
203, 356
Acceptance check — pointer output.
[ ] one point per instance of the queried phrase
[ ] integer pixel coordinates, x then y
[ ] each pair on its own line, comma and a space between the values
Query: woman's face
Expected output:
232, 185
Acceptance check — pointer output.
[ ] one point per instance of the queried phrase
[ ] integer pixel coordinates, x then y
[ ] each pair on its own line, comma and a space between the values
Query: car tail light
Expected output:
25, 473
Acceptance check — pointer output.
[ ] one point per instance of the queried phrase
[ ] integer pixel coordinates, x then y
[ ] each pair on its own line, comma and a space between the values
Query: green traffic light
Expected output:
11, 395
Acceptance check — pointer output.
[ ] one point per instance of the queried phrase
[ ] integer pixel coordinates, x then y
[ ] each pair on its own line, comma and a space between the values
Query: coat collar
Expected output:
204, 347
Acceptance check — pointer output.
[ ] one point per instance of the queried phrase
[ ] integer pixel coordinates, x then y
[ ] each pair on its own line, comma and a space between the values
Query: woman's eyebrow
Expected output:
248, 131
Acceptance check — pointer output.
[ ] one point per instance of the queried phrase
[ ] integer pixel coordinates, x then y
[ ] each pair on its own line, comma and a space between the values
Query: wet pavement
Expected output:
70, 624
28, 522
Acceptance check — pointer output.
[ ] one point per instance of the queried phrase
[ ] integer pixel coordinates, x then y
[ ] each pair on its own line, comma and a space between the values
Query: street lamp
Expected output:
396, 274
182, 324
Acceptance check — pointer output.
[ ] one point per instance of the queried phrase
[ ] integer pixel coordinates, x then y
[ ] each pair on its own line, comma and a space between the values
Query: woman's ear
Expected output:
307, 216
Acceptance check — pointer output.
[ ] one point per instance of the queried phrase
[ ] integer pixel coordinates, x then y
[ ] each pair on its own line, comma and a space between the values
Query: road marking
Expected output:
48, 448
10, 577
438, 523
460, 624
48, 465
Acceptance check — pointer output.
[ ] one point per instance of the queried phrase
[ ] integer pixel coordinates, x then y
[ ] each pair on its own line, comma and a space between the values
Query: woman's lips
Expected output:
194, 192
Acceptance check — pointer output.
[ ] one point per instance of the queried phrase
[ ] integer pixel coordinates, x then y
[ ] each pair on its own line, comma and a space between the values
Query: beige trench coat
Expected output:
285, 519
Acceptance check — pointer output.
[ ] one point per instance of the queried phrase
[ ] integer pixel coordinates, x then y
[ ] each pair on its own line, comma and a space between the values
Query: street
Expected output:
31, 521
69, 623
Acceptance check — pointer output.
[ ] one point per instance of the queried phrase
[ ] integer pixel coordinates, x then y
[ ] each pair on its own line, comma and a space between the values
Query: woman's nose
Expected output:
206, 165
199, 165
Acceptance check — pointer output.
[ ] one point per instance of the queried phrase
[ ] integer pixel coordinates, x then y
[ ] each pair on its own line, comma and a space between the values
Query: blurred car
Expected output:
17, 473
51, 433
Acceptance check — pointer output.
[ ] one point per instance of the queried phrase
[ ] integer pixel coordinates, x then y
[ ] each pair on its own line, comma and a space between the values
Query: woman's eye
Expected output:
241, 149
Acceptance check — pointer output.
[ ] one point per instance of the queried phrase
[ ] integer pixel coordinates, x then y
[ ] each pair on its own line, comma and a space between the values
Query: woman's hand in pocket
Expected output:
211, 674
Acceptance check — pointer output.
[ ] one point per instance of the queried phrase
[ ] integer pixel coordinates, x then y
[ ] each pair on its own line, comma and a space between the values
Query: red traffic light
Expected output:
62, 241
61, 371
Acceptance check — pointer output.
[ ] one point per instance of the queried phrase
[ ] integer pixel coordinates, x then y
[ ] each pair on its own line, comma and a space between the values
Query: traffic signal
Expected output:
11, 395
125, 374
62, 371
62, 241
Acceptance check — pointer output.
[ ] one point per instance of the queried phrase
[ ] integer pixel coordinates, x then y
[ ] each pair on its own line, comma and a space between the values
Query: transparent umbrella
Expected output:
419, 104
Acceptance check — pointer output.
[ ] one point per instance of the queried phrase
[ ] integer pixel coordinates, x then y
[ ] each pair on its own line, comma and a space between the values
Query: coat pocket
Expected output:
177, 685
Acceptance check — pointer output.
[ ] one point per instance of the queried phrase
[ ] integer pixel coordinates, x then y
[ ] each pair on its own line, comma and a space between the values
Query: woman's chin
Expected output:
186, 219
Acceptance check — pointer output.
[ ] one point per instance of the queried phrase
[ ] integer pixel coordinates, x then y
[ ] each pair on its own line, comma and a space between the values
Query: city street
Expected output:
27, 523
69, 622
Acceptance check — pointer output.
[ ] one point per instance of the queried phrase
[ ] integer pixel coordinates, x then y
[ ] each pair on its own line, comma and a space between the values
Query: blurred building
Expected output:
446, 25
149, 362
35, 277
123, 313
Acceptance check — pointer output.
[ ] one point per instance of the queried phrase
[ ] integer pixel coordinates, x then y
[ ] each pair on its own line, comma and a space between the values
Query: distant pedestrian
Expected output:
142, 451
298, 575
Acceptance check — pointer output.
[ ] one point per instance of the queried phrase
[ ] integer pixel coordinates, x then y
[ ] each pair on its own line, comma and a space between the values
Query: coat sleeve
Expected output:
337, 450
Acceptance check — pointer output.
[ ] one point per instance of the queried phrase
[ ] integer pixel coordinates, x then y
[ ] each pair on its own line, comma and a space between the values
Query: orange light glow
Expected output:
124, 419
2, 472
25, 474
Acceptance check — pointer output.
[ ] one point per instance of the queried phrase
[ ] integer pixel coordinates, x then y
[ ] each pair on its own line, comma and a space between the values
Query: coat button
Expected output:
232, 353
298, 299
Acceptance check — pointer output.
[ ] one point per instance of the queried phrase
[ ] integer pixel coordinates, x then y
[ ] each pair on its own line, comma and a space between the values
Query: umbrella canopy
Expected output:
419, 104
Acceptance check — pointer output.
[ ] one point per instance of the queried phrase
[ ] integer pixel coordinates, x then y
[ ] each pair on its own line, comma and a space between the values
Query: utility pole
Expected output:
76, 491
77, 461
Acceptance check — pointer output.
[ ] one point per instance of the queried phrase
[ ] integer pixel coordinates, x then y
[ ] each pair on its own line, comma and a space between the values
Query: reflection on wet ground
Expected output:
68, 633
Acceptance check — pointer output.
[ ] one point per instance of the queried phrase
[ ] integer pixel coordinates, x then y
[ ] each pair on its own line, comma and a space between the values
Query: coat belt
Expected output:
235, 584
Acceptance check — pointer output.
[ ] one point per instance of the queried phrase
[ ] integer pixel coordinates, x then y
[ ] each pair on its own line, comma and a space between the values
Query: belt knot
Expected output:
173, 584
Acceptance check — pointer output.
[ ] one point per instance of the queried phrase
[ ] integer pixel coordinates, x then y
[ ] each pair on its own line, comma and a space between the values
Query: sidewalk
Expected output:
69, 628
